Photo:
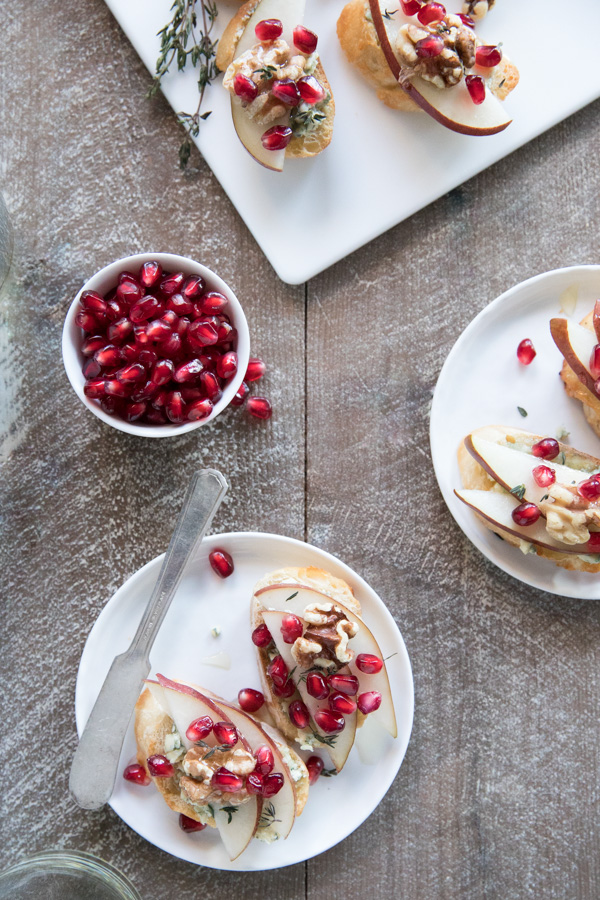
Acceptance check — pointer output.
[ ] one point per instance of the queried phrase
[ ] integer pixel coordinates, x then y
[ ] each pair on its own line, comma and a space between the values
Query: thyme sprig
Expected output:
518, 491
222, 748
184, 39
328, 741
230, 810
267, 816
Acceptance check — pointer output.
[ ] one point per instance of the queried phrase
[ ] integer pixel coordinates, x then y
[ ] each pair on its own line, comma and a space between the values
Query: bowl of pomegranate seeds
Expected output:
155, 344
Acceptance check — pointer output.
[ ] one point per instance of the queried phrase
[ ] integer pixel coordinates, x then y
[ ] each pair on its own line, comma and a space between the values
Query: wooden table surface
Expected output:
498, 796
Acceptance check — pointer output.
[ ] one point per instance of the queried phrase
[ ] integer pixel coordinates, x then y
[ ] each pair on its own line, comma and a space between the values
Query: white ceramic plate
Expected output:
336, 806
483, 383
382, 165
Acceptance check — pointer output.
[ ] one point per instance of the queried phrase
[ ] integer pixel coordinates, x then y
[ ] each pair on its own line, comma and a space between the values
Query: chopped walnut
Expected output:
325, 640
448, 67
568, 515
477, 9
196, 782
263, 64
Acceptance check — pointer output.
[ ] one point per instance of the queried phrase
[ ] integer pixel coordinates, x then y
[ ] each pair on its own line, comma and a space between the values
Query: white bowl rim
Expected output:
72, 357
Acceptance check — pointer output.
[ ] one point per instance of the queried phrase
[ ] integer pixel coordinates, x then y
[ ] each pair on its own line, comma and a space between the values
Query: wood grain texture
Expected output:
498, 795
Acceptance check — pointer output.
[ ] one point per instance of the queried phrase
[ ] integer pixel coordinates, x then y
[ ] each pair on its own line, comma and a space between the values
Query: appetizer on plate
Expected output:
281, 102
580, 346
416, 55
322, 670
216, 765
536, 493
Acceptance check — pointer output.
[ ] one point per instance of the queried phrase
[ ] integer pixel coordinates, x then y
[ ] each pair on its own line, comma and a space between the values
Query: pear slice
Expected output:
451, 106
294, 598
576, 344
596, 319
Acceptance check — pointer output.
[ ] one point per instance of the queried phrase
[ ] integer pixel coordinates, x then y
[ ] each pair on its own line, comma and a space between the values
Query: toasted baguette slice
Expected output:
477, 475
306, 145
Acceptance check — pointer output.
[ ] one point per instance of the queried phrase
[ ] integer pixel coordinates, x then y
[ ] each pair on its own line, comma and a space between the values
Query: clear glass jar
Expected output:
62, 875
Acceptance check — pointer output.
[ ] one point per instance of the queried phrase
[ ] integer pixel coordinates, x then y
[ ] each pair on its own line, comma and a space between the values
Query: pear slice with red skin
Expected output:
576, 344
596, 319
496, 507
451, 106
294, 598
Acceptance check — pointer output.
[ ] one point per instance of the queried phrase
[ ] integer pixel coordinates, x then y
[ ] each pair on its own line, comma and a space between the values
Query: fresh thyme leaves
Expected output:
267, 816
390, 656
291, 597
209, 807
389, 13
222, 747
562, 458
306, 672
545, 497
230, 810
522, 411
328, 741
518, 491
303, 121
329, 773
266, 72
185, 39
502, 83
292, 672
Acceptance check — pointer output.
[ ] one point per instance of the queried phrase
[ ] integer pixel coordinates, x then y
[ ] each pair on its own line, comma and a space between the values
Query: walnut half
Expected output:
477, 9
447, 68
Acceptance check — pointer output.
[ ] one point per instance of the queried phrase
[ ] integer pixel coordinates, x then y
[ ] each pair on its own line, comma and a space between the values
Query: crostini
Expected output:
535, 492
580, 346
417, 56
281, 102
218, 766
322, 670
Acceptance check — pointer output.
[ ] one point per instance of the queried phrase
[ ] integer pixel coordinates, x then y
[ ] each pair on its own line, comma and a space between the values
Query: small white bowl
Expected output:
106, 279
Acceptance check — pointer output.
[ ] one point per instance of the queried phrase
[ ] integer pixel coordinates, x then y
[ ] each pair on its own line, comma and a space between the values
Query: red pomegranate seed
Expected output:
94, 389
291, 628
317, 686
286, 92
595, 361
172, 284
202, 334
86, 320
172, 347
593, 544
305, 40
211, 386
226, 781
240, 395
227, 364
487, 56
92, 344
91, 368
268, 30
146, 308
188, 371
147, 358
476, 88
156, 417
261, 636
127, 276
192, 287
345, 684
221, 562
158, 331
199, 729
410, 8
182, 326
250, 700
116, 388
256, 369
278, 671
174, 407
315, 766
429, 47
130, 352
329, 722
141, 338
368, 663
116, 310
159, 766
284, 690
190, 825
128, 293
431, 12
272, 784
525, 514
150, 273
190, 394
93, 302
119, 331
264, 760
466, 20
259, 407
199, 410
137, 774
212, 303
369, 702
310, 90
226, 733
245, 88
159, 401
162, 371
298, 714
144, 392
134, 411
108, 355
339, 703
128, 374
112, 406
544, 476
547, 448
254, 783
178, 304
590, 489
277, 137
526, 352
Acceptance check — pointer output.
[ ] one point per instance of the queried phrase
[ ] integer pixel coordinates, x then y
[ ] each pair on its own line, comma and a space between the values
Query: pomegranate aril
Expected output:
284, 690
369, 702
159, 401
316, 686
108, 355
272, 784
345, 684
487, 56
128, 293
156, 417
150, 273
190, 394
254, 783
117, 388
310, 90
329, 722
544, 476
144, 392
225, 333
476, 88
339, 703
278, 671
159, 766
162, 371
595, 361
188, 371
525, 514
128, 276
93, 343
369, 663
277, 137
172, 284
199, 729
146, 308
305, 40
291, 628
137, 774
268, 30
259, 407
211, 386
147, 358
227, 364
180, 305
91, 368
526, 352
202, 334
130, 374
173, 347
226, 781
221, 562
429, 47
298, 714
134, 410
192, 286
245, 88
250, 700
286, 92
226, 733
112, 406
547, 448
175, 407
431, 12
256, 369
212, 303
190, 825
593, 545
116, 310
87, 320
199, 410
240, 395
590, 489
93, 302
264, 760
141, 338
261, 636
120, 330
466, 20
95, 388
182, 326
158, 331
315, 766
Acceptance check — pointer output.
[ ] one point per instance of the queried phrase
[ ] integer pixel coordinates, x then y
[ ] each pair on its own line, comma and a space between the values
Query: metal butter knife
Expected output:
96, 759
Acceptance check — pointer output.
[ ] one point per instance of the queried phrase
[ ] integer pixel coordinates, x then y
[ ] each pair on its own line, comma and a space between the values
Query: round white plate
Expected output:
483, 383
336, 806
